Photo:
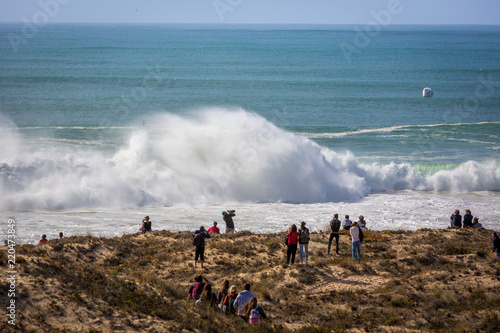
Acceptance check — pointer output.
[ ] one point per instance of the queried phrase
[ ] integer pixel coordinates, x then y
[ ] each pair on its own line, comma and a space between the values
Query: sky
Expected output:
485, 12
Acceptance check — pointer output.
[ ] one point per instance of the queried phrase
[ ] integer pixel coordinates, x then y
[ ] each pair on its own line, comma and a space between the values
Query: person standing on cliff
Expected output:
227, 216
334, 233
496, 245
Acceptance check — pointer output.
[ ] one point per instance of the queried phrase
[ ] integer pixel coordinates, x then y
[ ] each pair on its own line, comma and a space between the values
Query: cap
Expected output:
146, 217
215, 223
302, 223
223, 212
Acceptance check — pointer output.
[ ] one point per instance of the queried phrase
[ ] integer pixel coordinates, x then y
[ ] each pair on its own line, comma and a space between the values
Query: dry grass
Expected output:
423, 281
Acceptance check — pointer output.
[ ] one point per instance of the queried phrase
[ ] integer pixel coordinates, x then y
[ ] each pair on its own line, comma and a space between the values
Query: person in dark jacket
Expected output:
456, 220
304, 242
227, 216
200, 247
334, 232
476, 223
496, 245
145, 226
467, 219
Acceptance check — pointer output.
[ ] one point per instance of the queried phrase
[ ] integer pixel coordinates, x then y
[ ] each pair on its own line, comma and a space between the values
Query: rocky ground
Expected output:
422, 281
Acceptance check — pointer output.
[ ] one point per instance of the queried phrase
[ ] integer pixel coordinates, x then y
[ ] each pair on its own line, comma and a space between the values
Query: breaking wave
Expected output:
208, 157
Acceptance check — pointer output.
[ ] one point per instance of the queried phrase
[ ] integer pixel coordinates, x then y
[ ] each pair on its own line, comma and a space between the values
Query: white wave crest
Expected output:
213, 156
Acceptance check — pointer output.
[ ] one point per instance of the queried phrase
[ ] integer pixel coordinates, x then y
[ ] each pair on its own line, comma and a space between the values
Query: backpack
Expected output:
230, 305
198, 239
254, 317
303, 236
196, 287
335, 225
361, 236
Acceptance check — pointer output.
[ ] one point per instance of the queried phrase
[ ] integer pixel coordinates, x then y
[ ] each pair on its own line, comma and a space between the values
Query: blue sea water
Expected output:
130, 119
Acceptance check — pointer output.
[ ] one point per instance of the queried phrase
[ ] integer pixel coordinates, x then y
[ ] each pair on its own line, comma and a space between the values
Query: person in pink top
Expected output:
214, 229
293, 239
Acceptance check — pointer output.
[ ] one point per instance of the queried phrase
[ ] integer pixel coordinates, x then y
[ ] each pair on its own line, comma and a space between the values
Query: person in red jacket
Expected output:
214, 229
293, 239
44, 239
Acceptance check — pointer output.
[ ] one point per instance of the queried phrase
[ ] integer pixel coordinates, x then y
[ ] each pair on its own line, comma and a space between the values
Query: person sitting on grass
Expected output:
347, 223
476, 223
242, 299
467, 221
197, 288
223, 292
146, 225
456, 220
253, 314
228, 303
362, 223
44, 239
207, 297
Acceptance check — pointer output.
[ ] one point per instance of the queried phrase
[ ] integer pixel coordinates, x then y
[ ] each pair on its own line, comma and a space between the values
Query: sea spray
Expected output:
209, 157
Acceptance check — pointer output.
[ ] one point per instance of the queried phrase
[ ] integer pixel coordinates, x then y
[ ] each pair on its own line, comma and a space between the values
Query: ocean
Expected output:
101, 125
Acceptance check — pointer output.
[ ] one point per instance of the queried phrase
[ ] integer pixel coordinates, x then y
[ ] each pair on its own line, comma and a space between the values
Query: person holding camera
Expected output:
227, 216
146, 225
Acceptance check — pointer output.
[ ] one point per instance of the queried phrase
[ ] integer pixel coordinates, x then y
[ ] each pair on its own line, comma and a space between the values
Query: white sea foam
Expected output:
209, 157
387, 129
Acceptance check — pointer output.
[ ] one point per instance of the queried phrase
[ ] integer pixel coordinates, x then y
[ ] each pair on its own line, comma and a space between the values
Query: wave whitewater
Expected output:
389, 129
208, 157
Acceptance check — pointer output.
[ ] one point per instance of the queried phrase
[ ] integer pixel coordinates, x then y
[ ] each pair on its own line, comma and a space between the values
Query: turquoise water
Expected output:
298, 77
103, 124
102, 116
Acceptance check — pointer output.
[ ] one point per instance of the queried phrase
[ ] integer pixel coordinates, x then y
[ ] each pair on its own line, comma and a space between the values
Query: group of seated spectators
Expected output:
467, 222
227, 301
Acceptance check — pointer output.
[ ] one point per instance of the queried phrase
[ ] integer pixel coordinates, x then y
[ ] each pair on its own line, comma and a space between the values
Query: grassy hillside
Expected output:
428, 280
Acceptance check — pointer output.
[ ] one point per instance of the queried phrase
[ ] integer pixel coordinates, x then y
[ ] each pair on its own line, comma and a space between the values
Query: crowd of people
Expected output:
355, 230
300, 237
227, 301
468, 220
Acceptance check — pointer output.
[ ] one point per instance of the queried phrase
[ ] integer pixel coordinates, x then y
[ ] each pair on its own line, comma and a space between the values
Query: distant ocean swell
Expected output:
209, 157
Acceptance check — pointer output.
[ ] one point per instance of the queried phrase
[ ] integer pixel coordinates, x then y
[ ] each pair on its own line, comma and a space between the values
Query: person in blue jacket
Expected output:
496, 244
467, 219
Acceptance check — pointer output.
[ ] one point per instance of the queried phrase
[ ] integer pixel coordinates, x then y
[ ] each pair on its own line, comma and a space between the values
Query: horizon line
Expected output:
253, 23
